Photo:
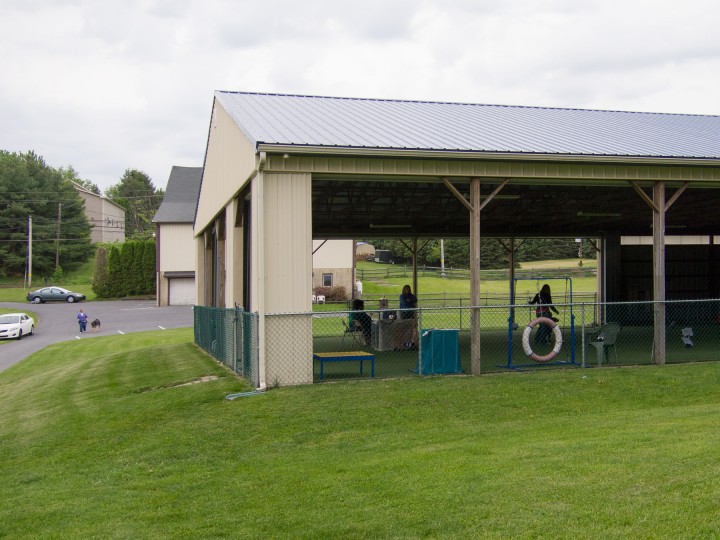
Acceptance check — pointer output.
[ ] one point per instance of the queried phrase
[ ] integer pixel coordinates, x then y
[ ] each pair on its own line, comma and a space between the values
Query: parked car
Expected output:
16, 325
54, 294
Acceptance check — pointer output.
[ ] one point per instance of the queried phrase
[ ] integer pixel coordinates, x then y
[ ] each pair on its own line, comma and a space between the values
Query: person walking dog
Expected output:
82, 320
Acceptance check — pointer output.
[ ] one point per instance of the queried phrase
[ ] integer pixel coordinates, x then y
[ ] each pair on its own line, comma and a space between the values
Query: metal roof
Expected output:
277, 119
181, 196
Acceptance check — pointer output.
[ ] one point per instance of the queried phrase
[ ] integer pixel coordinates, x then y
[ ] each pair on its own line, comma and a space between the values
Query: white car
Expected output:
16, 325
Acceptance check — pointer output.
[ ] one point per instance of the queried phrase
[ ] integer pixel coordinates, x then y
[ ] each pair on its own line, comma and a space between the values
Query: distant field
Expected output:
461, 287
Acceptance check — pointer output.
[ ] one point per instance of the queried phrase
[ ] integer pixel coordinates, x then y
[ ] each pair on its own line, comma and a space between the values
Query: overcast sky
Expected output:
107, 85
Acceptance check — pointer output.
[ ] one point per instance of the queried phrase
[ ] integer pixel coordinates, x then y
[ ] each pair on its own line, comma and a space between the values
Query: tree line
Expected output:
61, 230
493, 252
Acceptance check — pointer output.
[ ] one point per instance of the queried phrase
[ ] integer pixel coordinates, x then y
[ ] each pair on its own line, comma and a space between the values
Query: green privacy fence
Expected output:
230, 336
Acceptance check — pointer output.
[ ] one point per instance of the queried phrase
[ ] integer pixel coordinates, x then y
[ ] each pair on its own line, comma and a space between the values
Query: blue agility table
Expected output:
350, 356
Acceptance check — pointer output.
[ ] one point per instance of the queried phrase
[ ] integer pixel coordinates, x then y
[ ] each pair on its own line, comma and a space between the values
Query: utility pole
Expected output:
57, 243
29, 268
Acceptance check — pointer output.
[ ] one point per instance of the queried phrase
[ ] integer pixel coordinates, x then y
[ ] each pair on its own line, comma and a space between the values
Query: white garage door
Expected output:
182, 291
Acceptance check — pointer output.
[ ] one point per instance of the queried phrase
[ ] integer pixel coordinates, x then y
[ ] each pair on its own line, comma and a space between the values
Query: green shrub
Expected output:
57, 276
101, 280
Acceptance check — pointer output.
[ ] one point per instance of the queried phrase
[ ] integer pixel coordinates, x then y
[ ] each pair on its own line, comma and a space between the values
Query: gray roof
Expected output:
277, 119
181, 196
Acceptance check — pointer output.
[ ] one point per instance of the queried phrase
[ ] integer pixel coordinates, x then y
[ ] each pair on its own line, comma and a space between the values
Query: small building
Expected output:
174, 237
333, 264
107, 219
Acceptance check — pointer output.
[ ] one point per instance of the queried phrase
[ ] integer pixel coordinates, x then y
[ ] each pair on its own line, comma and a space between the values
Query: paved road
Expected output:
58, 323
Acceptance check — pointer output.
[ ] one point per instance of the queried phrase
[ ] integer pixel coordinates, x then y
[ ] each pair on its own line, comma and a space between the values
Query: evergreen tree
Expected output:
137, 194
28, 187
127, 255
148, 264
115, 281
100, 277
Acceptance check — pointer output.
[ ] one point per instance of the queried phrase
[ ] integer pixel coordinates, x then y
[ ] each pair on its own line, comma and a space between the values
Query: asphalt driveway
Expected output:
58, 323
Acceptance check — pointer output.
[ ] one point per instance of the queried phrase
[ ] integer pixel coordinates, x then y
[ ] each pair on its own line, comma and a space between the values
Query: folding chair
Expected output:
355, 333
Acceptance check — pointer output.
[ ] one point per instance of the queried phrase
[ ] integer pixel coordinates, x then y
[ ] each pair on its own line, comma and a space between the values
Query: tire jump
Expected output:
556, 332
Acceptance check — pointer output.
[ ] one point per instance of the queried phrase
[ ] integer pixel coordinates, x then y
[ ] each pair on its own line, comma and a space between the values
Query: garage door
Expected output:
182, 291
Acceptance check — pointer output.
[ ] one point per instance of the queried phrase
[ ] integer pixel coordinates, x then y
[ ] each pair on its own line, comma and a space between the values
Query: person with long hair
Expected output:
408, 301
543, 300
406, 336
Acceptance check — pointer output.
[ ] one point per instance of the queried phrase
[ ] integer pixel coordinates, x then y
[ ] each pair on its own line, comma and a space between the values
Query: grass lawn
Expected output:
80, 280
99, 440
432, 285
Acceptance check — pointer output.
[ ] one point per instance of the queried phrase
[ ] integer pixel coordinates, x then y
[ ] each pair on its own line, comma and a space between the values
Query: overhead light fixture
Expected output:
285, 156
376, 226
598, 214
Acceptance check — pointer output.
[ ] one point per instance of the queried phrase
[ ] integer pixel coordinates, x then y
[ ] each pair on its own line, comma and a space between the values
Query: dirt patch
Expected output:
206, 378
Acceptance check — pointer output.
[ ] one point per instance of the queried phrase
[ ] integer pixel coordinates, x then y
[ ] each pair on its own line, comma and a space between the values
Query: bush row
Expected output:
126, 269
332, 294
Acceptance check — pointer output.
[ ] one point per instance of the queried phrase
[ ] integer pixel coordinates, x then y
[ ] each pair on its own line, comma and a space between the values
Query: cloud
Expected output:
106, 86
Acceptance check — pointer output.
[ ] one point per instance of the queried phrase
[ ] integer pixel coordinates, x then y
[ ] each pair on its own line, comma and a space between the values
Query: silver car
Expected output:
16, 325
54, 294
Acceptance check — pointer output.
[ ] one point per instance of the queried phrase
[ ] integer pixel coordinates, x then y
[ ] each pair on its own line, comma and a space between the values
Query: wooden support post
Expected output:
475, 276
659, 271
414, 259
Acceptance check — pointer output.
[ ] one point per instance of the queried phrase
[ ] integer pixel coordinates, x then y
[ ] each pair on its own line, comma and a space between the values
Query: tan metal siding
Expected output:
200, 274
333, 254
176, 246
540, 171
229, 163
288, 242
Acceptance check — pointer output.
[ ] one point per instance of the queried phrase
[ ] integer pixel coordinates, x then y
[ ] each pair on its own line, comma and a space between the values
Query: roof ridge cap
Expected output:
461, 103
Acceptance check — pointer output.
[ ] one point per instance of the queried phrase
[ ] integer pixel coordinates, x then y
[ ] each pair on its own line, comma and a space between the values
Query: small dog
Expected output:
95, 325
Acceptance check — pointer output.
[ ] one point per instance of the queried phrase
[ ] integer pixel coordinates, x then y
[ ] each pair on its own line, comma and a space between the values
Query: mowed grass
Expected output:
80, 280
98, 440
433, 285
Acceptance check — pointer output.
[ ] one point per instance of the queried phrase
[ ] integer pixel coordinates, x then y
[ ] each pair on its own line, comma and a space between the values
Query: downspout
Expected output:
260, 278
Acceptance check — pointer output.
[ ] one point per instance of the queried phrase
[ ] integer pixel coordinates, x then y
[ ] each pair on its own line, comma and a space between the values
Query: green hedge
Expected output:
126, 269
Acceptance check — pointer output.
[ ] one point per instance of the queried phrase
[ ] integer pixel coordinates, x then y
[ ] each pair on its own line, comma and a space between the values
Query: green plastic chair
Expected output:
604, 341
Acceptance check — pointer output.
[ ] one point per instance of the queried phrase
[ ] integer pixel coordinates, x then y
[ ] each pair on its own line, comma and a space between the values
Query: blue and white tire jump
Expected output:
526, 339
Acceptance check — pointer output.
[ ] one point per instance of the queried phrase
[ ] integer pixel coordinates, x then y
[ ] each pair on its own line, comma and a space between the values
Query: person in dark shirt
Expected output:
407, 301
364, 322
543, 300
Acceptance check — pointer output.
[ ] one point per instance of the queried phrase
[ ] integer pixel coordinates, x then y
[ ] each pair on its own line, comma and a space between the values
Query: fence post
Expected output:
419, 338
582, 311
234, 346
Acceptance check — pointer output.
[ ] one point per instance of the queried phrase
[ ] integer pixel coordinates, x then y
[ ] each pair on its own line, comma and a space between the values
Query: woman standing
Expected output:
543, 299
407, 301
406, 334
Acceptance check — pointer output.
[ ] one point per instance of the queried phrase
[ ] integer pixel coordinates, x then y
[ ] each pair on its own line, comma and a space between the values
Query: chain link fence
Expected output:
302, 348
231, 337
437, 339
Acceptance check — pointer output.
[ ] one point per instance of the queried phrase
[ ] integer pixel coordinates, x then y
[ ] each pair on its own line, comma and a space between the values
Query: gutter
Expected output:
310, 150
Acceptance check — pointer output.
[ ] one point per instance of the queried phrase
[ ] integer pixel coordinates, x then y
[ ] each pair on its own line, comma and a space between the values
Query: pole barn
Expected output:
282, 170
